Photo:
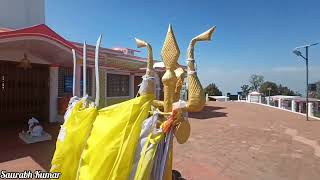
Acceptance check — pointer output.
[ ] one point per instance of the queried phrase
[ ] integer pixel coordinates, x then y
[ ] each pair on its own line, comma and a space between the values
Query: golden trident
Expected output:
172, 83
196, 98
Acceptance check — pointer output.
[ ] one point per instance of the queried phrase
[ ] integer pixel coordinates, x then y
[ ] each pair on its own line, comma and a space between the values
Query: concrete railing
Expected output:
292, 109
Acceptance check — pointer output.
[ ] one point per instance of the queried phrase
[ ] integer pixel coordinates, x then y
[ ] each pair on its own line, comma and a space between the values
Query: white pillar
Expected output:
249, 98
53, 92
279, 103
207, 97
268, 101
310, 109
131, 86
293, 105
238, 97
260, 99
78, 76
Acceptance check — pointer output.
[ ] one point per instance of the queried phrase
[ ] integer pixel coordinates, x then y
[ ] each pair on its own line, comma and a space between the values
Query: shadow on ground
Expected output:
208, 112
176, 175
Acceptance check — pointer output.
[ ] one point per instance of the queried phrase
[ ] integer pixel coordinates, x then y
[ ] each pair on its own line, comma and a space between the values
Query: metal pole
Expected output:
307, 74
269, 97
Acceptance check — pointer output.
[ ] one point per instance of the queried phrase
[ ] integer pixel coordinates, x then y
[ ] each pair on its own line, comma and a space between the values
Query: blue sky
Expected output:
254, 36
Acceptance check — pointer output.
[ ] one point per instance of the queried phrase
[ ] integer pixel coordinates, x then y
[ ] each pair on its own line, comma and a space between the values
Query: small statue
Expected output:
35, 129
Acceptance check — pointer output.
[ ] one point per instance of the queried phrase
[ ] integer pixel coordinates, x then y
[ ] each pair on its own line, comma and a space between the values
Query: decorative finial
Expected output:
170, 51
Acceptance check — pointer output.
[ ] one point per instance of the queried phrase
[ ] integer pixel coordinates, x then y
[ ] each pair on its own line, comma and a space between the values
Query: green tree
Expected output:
284, 90
245, 89
264, 88
212, 90
317, 90
256, 81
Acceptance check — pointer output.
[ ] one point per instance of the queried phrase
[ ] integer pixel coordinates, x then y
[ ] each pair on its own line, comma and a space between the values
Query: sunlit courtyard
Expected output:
229, 140
237, 140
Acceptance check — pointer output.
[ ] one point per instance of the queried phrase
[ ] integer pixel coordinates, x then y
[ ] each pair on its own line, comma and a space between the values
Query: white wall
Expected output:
16, 14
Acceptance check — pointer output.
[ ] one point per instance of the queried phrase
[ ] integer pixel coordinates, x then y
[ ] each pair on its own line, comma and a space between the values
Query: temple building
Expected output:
36, 66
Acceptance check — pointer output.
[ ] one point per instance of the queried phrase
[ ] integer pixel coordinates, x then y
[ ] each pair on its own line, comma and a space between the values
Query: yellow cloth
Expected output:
71, 140
147, 156
110, 149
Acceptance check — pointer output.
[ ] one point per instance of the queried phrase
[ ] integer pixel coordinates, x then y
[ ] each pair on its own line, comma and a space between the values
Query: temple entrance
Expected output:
24, 93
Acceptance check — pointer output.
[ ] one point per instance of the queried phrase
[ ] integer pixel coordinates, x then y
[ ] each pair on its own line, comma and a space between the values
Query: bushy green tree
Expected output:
317, 90
257, 84
264, 88
284, 90
245, 90
212, 90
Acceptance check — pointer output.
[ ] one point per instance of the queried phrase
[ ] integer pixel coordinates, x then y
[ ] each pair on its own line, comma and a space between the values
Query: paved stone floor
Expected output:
229, 141
15, 155
242, 141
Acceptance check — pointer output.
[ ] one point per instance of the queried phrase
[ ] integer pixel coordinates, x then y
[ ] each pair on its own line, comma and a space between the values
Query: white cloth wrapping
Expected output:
157, 160
144, 84
162, 157
180, 105
189, 72
72, 102
148, 126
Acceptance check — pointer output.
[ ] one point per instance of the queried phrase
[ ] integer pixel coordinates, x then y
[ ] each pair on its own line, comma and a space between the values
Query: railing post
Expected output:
310, 109
300, 107
279, 103
293, 105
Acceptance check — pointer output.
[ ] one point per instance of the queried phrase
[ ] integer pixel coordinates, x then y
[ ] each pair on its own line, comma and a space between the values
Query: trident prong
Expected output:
140, 43
205, 36
148, 84
96, 65
74, 72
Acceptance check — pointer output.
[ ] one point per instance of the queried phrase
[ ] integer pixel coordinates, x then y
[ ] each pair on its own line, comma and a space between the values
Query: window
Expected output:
66, 81
68, 84
117, 85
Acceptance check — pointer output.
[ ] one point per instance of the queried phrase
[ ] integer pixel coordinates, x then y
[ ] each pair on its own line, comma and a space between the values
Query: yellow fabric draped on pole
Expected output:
110, 149
72, 139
